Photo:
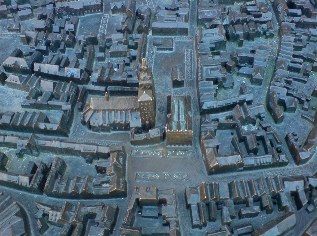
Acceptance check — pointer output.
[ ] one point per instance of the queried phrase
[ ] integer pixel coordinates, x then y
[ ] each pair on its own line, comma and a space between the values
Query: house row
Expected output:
227, 144
51, 180
156, 204
172, 20
72, 218
78, 8
35, 121
110, 184
52, 95
232, 202
209, 202
34, 145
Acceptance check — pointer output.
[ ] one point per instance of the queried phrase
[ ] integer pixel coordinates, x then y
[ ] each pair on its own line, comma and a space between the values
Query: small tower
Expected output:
146, 96
106, 96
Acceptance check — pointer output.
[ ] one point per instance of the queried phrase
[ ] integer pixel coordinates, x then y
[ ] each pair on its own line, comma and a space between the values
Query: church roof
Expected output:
114, 103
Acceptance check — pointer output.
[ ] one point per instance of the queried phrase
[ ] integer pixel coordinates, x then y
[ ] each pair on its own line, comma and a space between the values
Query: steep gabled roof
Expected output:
145, 97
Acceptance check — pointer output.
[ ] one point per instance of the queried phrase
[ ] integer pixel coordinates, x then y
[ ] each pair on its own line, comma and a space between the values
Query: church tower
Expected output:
146, 96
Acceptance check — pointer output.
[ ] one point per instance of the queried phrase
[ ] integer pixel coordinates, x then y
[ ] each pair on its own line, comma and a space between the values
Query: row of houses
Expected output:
111, 183
251, 198
51, 180
293, 85
77, 218
240, 141
172, 20
235, 200
78, 8
35, 121
157, 204
52, 95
